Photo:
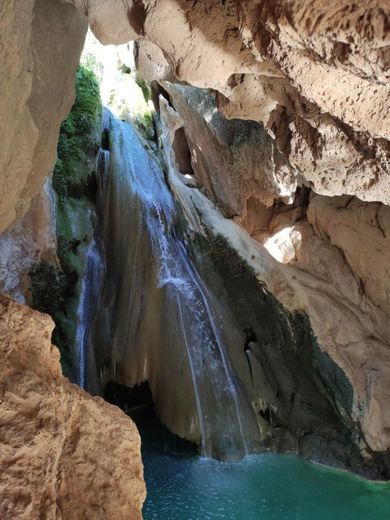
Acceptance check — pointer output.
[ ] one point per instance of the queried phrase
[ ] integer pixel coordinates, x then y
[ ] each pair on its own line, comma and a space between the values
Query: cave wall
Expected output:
310, 276
27, 242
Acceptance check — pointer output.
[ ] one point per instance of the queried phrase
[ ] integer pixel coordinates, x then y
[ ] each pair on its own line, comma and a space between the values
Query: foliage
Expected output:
143, 86
77, 143
125, 69
54, 290
145, 123
49, 286
90, 62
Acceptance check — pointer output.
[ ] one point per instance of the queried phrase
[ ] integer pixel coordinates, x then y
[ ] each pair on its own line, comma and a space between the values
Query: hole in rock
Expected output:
137, 16
182, 152
137, 402
267, 415
250, 337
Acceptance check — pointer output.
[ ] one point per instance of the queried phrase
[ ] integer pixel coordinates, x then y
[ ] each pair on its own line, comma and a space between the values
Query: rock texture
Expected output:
323, 265
63, 453
315, 74
29, 241
40, 43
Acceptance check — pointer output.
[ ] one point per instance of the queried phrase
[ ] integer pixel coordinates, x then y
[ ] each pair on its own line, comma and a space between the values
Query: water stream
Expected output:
93, 277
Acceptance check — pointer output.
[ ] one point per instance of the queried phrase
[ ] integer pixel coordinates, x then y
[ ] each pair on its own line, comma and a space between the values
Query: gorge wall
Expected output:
314, 74
300, 175
55, 461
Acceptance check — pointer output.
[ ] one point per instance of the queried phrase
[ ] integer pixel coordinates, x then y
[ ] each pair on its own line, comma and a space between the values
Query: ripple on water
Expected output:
266, 487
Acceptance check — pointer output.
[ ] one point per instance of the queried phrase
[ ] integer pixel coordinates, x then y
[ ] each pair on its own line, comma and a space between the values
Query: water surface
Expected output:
266, 487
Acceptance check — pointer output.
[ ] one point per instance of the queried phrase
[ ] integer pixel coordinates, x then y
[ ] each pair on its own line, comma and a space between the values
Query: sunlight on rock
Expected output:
283, 244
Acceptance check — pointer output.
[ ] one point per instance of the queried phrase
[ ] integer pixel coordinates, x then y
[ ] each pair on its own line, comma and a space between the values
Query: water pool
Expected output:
266, 487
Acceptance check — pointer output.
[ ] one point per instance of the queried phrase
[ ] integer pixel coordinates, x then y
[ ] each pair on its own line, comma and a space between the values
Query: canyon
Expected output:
245, 236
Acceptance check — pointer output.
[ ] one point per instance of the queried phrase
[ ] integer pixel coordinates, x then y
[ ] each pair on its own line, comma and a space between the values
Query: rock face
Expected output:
324, 267
63, 453
315, 74
29, 241
40, 42
306, 71
310, 277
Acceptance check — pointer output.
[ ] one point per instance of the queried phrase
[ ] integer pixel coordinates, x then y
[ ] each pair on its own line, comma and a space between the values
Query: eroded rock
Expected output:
40, 42
315, 74
28, 242
308, 274
63, 454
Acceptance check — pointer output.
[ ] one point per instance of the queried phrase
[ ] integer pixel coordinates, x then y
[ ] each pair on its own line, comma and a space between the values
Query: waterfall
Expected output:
89, 295
157, 320
94, 272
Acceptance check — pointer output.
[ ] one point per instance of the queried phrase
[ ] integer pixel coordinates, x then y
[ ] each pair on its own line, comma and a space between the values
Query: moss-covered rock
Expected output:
79, 138
56, 291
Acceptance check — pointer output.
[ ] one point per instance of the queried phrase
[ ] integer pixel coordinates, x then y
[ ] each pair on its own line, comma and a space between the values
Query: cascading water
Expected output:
157, 320
93, 278
89, 296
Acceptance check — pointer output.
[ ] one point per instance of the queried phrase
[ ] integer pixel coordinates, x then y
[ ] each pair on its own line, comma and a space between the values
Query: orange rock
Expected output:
63, 453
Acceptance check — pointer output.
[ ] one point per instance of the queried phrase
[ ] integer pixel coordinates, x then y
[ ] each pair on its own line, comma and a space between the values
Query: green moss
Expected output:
226, 259
48, 286
79, 139
56, 291
143, 86
125, 69
145, 124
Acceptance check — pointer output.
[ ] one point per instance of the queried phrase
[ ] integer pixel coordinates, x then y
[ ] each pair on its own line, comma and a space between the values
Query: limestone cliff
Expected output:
309, 276
64, 454
314, 73
324, 265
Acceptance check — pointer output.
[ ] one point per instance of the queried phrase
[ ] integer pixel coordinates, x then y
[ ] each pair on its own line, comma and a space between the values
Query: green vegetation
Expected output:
90, 63
125, 69
49, 287
77, 143
143, 85
56, 291
227, 260
145, 123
